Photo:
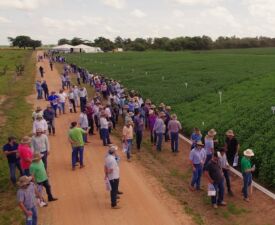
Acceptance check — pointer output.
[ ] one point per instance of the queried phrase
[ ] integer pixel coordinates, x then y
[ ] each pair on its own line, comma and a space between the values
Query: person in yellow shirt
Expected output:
127, 138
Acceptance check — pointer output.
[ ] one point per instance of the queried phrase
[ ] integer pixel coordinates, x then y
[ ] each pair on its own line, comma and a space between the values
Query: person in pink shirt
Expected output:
25, 154
151, 121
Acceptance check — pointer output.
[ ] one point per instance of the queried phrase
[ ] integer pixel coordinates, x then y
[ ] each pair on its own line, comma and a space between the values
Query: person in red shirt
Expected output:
25, 154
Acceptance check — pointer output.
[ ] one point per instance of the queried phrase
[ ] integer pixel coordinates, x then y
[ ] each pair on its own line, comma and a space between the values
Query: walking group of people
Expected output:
101, 113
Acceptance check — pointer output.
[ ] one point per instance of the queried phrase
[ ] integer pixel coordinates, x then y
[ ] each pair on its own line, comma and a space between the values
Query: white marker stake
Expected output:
273, 109
162, 78
146, 73
202, 123
220, 94
186, 84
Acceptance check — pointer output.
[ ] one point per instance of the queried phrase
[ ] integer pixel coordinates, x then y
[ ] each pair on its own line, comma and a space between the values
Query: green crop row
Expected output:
191, 81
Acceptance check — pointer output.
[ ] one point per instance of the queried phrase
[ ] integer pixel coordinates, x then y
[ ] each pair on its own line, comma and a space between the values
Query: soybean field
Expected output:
221, 89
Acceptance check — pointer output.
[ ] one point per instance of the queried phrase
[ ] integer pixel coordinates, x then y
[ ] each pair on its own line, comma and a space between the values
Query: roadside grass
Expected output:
18, 122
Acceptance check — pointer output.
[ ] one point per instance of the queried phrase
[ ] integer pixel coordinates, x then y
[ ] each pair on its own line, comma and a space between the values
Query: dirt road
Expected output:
83, 199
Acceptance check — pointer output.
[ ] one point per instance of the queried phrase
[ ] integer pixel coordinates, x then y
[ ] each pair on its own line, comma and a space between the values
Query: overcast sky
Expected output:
50, 20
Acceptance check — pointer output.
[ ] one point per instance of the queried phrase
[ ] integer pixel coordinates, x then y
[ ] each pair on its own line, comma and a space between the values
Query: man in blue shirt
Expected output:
53, 99
197, 158
10, 150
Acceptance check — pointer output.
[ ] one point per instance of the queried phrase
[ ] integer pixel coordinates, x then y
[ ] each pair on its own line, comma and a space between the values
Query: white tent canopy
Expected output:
64, 48
86, 48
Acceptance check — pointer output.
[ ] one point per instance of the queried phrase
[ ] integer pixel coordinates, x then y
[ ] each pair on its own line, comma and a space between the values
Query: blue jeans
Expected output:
12, 167
196, 179
174, 141
33, 221
138, 138
26, 172
247, 181
62, 106
219, 187
39, 93
129, 147
77, 151
105, 136
159, 140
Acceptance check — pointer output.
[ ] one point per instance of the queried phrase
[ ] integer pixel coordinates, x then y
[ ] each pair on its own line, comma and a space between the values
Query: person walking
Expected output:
72, 100
159, 129
197, 158
38, 171
39, 89
195, 137
51, 65
174, 126
209, 145
54, 99
127, 138
62, 100
247, 170
214, 174
45, 88
40, 123
37, 112
41, 70
138, 127
49, 116
25, 154
111, 169
225, 168
232, 146
26, 197
77, 143
40, 144
90, 116
104, 129
11, 151
82, 97
84, 124
151, 122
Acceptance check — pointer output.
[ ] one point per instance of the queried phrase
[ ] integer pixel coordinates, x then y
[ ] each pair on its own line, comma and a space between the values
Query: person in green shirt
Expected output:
38, 171
247, 172
77, 142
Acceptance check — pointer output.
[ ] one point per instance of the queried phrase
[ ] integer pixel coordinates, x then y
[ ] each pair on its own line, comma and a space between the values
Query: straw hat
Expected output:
36, 157
112, 148
174, 116
230, 133
161, 105
212, 132
26, 140
153, 106
148, 101
248, 152
168, 107
199, 143
24, 180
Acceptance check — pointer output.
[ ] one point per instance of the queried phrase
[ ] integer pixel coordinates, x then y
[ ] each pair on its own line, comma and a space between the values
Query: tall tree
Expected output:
63, 41
23, 41
104, 43
77, 41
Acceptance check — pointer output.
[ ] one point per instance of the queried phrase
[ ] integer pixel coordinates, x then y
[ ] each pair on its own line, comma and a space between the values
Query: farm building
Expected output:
63, 48
86, 49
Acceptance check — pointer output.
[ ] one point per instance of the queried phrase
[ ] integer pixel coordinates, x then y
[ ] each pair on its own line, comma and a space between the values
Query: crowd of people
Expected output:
100, 113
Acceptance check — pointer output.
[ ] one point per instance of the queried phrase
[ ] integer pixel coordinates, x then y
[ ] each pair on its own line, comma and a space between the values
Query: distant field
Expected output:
246, 78
15, 119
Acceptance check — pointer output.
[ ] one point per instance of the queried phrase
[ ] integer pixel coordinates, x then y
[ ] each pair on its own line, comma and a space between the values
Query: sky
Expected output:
51, 20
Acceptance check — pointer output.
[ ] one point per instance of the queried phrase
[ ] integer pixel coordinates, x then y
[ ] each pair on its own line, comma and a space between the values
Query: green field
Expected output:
17, 121
245, 77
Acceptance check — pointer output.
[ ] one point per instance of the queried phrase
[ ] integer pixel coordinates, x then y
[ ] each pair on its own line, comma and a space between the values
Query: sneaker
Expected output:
43, 204
53, 199
120, 193
223, 203
215, 206
246, 199
116, 207
81, 166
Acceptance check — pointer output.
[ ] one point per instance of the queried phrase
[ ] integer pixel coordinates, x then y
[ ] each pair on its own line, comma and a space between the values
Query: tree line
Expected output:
23, 41
173, 44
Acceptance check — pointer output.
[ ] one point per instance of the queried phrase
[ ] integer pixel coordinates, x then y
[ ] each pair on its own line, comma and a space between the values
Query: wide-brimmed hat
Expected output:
39, 116
199, 143
212, 132
112, 148
161, 105
26, 140
230, 133
148, 101
36, 157
248, 152
174, 116
153, 107
24, 180
168, 107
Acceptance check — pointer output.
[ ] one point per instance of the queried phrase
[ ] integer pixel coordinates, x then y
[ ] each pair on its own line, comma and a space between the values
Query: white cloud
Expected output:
138, 13
111, 29
21, 4
220, 15
4, 20
117, 4
177, 13
198, 2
